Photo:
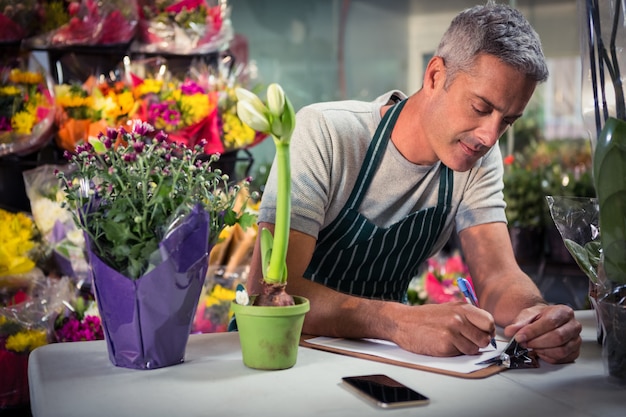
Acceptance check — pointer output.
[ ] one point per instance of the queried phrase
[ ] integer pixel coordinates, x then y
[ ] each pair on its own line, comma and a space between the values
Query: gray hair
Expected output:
494, 29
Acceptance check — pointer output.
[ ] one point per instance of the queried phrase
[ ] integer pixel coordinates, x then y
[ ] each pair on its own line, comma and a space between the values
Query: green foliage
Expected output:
126, 195
587, 257
610, 178
542, 168
523, 195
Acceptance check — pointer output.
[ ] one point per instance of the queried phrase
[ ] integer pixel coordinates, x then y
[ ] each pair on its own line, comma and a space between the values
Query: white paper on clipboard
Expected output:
388, 350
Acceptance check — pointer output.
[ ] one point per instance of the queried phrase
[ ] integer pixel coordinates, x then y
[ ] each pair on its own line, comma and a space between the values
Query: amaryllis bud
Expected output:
253, 116
275, 99
288, 120
246, 95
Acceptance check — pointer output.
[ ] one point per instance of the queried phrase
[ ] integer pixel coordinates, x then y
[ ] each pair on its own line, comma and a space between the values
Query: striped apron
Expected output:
354, 256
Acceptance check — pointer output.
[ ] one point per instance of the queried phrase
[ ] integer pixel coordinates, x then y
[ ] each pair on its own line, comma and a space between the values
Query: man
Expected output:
378, 187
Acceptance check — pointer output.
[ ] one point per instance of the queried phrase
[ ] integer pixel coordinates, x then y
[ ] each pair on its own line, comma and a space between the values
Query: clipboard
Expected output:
478, 374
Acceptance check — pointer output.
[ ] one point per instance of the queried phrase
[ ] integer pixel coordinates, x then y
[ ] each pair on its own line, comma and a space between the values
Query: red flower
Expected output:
509, 159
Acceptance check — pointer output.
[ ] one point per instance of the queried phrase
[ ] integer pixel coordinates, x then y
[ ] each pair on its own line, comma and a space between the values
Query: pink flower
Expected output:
454, 264
74, 330
438, 293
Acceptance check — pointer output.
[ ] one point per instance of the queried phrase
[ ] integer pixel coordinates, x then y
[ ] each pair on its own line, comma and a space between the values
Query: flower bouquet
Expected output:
151, 210
26, 322
183, 27
184, 108
87, 109
18, 19
62, 242
80, 321
438, 284
214, 313
18, 247
86, 23
200, 105
26, 109
234, 133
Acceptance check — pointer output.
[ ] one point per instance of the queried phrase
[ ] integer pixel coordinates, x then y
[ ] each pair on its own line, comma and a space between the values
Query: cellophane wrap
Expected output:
28, 100
63, 241
576, 219
26, 323
147, 321
91, 23
183, 27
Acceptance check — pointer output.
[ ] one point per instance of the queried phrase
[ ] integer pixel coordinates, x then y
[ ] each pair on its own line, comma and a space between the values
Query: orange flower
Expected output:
509, 159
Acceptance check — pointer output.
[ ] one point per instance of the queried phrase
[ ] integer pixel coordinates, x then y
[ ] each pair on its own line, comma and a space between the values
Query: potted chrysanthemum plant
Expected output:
272, 319
151, 211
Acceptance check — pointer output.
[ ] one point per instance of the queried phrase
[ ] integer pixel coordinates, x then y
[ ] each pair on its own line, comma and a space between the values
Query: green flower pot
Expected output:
270, 336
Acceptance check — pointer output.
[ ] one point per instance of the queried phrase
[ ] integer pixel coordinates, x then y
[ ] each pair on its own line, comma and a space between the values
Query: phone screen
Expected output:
385, 391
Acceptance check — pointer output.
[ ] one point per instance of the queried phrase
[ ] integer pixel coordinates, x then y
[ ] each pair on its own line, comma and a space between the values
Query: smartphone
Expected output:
384, 391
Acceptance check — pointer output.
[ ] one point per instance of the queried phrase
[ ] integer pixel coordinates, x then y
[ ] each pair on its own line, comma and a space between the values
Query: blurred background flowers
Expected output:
437, 283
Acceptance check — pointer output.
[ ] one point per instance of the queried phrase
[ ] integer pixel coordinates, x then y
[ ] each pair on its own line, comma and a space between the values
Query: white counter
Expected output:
77, 379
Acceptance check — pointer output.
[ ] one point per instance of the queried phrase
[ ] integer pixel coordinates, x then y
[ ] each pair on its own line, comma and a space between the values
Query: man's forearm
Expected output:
515, 291
336, 314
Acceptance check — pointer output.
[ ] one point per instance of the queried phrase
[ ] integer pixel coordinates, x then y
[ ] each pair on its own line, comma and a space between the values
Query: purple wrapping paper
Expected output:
57, 235
147, 321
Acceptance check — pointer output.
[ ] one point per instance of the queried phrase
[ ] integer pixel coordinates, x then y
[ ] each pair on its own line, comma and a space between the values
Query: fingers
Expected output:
471, 328
551, 331
561, 354
450, 329
481, 330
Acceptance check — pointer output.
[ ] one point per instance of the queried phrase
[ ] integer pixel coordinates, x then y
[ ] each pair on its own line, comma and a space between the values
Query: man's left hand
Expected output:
551, 331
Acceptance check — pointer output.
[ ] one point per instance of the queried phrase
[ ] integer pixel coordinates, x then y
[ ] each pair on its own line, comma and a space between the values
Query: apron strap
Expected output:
372, 159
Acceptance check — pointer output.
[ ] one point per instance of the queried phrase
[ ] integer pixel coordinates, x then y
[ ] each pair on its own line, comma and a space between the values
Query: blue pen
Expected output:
468, 291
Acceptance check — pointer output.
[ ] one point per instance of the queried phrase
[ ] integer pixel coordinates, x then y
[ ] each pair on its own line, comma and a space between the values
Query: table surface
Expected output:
77, 379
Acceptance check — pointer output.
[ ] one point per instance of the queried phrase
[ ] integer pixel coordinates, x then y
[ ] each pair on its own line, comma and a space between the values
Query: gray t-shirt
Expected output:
328, 147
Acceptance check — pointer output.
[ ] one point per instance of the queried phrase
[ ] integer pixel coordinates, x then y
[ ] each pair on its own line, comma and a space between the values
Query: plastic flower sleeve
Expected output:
576, 219
25, 325
18, 19
147, 321
27, 111
91, 23
64, 242
183, 27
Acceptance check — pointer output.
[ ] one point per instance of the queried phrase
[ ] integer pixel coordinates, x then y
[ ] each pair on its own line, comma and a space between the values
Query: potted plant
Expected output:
150, 211
567, 172
272, 321
603, 41
524, 206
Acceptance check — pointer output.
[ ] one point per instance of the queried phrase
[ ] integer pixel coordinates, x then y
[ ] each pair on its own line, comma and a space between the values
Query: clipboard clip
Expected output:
514, 356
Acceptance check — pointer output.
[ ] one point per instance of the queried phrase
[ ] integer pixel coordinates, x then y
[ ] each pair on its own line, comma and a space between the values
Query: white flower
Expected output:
47, 212
241, 297
76, 237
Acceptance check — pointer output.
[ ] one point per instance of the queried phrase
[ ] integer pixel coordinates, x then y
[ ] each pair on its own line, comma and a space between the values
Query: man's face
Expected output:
473, 111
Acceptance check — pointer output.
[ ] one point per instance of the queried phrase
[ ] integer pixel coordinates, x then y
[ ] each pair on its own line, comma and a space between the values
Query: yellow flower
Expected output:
26, 341
148, 86
236, 134
218, 295
126, 102
25, 77
22, 122
10, 90
69, 101
195, 107
16, 241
